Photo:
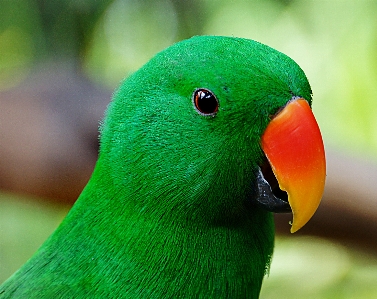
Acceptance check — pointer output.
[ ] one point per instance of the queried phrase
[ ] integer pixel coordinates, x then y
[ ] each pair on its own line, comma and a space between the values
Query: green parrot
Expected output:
197, 148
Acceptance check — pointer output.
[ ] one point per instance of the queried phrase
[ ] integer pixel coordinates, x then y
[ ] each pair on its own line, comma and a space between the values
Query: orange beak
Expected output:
294, 148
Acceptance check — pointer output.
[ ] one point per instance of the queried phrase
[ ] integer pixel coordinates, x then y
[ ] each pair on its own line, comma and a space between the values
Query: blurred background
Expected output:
61, 60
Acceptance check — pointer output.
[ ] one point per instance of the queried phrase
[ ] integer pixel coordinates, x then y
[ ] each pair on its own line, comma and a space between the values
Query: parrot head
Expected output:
213, 125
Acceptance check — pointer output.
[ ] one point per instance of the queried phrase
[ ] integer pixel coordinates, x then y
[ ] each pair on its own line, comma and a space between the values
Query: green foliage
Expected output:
19, 34
307, 267
25, 223
128, 35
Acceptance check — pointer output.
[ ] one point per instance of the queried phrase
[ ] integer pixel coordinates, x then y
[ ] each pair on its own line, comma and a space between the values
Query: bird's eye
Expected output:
205, 102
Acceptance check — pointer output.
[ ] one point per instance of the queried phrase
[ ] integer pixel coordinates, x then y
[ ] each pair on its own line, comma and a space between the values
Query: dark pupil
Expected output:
206, 102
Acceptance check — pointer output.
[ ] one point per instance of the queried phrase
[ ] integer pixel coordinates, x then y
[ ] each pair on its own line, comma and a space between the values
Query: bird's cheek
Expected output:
294, 148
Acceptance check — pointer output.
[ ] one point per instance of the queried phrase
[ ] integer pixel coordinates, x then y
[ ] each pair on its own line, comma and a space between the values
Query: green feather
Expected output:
164, 213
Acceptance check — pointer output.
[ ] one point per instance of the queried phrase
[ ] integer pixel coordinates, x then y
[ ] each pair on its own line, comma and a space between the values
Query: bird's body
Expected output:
168, 211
